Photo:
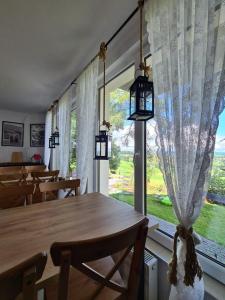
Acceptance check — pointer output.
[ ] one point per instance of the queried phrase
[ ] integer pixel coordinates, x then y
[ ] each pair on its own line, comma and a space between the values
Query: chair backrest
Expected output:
10, 179
37, 168
17, 157
13, 196
11, 170
43, 176
71, 185
79, 253
22, 278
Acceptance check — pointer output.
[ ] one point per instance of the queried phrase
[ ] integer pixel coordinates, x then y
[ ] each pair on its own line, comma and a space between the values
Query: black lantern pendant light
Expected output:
141, 91
103, 145
51, 143
103, 141
55, 134
56, 137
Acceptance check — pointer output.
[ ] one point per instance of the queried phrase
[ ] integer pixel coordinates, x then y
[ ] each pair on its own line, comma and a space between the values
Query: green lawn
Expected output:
210, 224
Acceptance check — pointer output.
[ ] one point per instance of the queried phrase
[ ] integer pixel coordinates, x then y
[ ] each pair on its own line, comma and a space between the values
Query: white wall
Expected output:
27, 119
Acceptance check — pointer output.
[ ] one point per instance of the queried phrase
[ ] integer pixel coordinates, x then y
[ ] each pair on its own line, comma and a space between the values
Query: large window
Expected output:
121, 167
211, 222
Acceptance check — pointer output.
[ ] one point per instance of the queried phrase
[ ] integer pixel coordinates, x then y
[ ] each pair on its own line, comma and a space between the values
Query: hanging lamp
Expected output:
55, 134
141, 91
51, 144
103, 141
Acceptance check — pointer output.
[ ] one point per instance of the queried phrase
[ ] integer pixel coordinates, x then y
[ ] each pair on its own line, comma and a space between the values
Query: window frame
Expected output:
73, 109
213, 268
100, 163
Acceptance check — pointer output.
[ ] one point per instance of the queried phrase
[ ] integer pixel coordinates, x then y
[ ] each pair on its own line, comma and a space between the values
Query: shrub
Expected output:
114, 162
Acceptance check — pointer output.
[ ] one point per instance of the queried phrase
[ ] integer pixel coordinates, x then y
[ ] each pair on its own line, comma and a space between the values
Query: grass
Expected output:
211, 222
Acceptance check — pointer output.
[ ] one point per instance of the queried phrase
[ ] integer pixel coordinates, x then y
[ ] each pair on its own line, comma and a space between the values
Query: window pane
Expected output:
121, 168
211, 222
73, 124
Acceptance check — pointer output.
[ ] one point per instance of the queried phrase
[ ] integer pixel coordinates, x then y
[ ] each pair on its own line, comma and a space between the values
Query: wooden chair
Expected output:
95, 285
37, 168
50, 187
17, 157
22, 278
11, 170
43, 176
12, 179
13, 196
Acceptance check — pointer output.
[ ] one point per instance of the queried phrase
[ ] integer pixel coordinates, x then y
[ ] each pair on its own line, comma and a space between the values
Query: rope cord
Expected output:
103, 90
102, 55
52, 109
56, 109
191, 265
142, 65
141, 4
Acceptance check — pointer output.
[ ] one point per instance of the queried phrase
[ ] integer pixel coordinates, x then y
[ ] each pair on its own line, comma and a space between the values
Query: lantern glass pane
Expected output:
133, 104
103, 148
149, 102
56, 140
142, 102
98, 149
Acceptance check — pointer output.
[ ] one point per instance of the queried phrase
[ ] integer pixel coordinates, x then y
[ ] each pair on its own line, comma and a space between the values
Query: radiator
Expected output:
150, 276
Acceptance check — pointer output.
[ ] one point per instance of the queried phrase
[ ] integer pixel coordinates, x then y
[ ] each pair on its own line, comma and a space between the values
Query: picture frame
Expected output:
37, 135
12, 134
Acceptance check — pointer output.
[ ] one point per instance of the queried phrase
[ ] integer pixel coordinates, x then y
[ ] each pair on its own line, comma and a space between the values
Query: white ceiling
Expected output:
45, 44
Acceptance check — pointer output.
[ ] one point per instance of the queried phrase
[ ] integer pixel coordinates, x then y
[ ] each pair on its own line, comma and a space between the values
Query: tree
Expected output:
114, 162
117, 109
217, 181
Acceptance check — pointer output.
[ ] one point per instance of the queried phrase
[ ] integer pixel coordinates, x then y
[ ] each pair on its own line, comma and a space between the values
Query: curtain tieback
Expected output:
191, 265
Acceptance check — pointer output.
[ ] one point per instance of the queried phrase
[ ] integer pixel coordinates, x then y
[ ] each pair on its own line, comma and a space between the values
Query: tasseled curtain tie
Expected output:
191, 266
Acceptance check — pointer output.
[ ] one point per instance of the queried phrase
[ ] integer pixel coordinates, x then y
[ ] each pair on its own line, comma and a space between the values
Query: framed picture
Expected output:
12, 134
37, 135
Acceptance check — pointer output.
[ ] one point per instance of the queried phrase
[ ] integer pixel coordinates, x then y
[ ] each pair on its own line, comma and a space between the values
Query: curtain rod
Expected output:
107, 43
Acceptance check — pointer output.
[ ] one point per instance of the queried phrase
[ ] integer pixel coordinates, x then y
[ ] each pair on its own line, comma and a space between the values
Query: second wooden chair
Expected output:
37, 168
43, 176
72, 187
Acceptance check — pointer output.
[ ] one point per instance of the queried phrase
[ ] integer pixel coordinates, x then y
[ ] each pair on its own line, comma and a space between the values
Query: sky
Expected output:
220, 135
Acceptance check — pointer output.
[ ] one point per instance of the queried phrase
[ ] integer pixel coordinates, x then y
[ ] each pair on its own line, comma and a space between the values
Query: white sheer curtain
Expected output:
86, 97
62, 118
187, 42
64, 131
55, 152
48, 124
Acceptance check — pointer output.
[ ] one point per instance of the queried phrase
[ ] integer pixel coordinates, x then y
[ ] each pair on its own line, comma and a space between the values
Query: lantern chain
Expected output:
52, 109
102, 55
56, 109
142, 65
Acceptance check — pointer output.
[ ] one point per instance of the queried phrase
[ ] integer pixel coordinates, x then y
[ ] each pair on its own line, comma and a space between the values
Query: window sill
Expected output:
213, 287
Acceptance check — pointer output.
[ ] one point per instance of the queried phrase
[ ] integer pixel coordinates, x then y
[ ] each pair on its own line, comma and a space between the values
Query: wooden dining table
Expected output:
26, 231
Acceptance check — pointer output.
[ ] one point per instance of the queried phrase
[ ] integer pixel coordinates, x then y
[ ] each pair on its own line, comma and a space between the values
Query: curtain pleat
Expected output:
86, 100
